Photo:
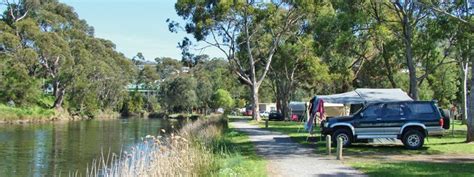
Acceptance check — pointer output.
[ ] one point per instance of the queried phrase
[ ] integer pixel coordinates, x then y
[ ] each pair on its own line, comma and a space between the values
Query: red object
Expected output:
294, 117
321, 109
441, 122
248, 113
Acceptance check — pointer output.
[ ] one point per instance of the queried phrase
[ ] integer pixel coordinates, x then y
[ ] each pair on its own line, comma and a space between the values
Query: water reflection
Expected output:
59, 148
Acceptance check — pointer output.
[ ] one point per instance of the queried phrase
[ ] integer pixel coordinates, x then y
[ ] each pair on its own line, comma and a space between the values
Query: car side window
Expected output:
373, 111
420, 108
392, 109
420, 111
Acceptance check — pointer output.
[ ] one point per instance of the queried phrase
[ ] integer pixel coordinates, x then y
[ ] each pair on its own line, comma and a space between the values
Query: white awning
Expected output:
365, 96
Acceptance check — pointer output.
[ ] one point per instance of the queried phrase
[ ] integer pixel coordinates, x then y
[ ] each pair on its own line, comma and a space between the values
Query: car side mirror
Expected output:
361, 115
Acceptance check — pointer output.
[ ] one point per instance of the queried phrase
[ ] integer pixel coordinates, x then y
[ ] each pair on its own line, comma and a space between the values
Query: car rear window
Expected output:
420, 108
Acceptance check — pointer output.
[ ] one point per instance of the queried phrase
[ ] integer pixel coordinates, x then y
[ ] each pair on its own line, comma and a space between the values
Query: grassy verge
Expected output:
242, 160
374, 159
8, 113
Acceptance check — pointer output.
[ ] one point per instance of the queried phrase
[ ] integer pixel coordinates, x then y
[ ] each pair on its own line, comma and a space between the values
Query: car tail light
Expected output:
441, 122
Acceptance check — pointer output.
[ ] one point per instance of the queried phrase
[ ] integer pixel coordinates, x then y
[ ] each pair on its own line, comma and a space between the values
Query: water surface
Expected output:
59, 148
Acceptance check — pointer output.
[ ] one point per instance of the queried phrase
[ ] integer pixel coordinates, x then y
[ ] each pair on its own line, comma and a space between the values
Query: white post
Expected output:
339, 148
328, 144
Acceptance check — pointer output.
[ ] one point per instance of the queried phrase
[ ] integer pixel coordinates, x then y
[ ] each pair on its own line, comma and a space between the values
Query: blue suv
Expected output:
409, 121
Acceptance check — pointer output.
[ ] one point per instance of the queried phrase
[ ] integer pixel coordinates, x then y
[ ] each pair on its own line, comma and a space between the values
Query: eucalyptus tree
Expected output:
458, 20
230, 26
178, 94
167, 67
46, 41
296, 66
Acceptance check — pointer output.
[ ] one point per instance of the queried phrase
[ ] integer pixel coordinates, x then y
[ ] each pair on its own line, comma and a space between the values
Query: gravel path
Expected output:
287, 158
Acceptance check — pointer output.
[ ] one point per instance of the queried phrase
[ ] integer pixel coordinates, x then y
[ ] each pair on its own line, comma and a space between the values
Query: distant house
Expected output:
142, 88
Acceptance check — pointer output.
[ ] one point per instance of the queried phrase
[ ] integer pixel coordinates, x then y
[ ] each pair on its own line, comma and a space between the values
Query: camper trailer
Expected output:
297, 109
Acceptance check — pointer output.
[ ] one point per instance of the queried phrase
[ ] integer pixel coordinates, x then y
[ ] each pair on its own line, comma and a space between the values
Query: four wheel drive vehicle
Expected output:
275, 116
409, 121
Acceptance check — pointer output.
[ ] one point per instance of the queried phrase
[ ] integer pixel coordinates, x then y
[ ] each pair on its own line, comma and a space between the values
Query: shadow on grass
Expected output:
373, 168
358, 149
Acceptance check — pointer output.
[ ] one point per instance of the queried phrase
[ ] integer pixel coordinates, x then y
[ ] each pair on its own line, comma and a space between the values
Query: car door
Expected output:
369, 122
393, 117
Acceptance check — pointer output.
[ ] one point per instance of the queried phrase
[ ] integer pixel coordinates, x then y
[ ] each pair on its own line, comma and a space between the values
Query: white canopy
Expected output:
365, 96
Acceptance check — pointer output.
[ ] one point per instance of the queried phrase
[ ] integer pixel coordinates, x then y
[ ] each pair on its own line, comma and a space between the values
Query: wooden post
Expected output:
339, 148
266, 123
328, 144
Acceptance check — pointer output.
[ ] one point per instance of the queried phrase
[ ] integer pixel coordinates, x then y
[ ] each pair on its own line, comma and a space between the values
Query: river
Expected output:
60, 148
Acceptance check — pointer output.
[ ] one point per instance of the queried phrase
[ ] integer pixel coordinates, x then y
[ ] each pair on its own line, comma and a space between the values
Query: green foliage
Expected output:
135, 102
241, 103
196, 86
51, 48
167, 67
178, 94
222, 99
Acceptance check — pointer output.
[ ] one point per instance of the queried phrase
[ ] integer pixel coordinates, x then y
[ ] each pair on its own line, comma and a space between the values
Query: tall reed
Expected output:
187, 152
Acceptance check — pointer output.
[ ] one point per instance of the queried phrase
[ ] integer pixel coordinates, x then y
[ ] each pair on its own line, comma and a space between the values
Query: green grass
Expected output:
241, 160
388, 169
8, 113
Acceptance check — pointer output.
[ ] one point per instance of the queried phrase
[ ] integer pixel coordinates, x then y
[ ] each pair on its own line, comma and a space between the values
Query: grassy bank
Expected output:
205, 147
394, 159
37, 113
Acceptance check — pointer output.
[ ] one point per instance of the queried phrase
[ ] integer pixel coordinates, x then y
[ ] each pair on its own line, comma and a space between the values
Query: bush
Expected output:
222, 99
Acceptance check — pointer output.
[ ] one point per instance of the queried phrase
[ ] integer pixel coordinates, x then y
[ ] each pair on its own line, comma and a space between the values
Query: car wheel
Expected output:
413, 139
346, 136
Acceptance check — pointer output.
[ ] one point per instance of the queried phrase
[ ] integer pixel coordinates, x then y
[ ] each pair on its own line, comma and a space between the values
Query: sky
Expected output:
136, 26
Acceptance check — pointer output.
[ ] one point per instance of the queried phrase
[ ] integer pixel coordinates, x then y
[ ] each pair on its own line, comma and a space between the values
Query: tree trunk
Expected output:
407, 36
58, 102
285, 109
386, 60
413, 91
470, 117
464, 77
255, 108
58, 92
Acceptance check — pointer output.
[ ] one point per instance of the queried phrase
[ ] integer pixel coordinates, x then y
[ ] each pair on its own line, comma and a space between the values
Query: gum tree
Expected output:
232, 26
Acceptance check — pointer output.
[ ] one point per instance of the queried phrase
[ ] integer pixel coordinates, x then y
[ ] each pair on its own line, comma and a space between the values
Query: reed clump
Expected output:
191, 151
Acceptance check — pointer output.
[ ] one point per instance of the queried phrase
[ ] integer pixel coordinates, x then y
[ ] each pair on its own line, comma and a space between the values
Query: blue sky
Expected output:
135, 26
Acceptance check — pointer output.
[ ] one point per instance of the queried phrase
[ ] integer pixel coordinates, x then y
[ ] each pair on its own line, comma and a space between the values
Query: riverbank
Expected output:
24, 115
37, 114
205, 147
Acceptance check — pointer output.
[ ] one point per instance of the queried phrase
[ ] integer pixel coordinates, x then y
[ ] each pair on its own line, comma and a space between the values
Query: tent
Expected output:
366, 96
